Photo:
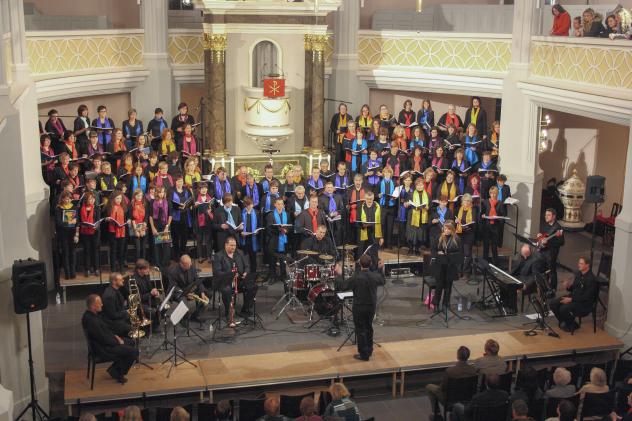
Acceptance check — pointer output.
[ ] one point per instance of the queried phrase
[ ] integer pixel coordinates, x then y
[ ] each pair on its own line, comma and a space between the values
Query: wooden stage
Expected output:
393, 359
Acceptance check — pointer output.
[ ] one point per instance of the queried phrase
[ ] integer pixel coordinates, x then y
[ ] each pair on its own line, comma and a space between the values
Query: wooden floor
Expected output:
278, 368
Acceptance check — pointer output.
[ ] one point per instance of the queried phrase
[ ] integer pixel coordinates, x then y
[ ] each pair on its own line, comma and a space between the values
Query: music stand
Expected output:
162, 309
255, 320
182, 296
176, 317
218, 284
541, 309
454, 259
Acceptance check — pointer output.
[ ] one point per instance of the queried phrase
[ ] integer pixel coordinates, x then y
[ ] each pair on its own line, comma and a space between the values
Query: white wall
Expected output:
591, 147
238, 75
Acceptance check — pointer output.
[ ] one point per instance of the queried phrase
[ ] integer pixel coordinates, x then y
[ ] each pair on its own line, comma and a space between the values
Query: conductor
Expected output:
364, 286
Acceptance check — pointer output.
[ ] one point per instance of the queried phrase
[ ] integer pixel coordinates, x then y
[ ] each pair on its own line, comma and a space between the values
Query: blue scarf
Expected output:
374, 179
341, 181
416, 142
251, 228
253, 193
163, 125
315, 185
139, 185
332, 203
281, 219
269, 201
404, 195
229, 216
470, 155
265, 184
177, 213
460, 181
219, 194
500, 193
106, 136
441, 213
358, 160
385, 192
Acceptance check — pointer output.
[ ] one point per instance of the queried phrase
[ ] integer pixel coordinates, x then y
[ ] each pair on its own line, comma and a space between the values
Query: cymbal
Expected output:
347, 247
308, 252
326, 257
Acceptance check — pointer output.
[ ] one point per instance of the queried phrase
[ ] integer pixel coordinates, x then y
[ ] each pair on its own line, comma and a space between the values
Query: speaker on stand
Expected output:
595, 193
29, 295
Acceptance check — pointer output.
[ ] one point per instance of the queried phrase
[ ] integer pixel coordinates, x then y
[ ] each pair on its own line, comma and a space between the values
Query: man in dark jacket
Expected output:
183, 276
579, 303
106, 344
114, 311
529, 265
491, 397
230, 260
364, 286
461, 369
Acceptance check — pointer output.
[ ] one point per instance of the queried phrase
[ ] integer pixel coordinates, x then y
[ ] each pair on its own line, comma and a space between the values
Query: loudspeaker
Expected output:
29, 286
595, 189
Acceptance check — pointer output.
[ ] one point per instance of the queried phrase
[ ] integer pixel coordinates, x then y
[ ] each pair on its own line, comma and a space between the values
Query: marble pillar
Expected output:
317, 131
307, 115
215, 95
620, 291
519, 152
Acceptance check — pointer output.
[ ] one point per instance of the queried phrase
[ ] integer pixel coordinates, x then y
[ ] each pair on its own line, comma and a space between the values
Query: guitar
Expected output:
542, 238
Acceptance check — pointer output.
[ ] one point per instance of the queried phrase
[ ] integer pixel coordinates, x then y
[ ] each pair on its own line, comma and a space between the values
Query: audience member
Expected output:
491, 362
341, 405
520, 411
598, 382
562, 387
461, 369
272, 408
308, 410
566, 411
223, 410
490, 397
179, 414
87, 416
132, 413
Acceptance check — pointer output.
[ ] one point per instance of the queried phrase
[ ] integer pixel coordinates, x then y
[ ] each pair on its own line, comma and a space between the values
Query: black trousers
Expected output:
363, 322
140, 245
249, 288
388, 219
567, 312
120, 327
273, 259
490, 240
162, 254
180, 236
90, 252
65, 237
252, 255
467, 239
117, 253
443, 287
124, 356
204, 238
550, 255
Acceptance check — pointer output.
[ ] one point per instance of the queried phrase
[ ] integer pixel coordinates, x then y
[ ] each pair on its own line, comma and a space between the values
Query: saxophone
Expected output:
231, 314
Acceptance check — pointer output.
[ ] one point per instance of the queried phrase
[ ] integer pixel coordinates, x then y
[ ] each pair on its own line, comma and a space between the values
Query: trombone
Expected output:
157, 283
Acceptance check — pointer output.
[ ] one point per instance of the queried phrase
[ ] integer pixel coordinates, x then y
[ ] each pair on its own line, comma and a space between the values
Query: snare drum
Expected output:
312, 273
323, 297
327, 272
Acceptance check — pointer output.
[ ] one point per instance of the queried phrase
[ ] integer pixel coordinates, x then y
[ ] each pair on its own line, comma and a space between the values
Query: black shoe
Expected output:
113, 373
122, 379
360, 357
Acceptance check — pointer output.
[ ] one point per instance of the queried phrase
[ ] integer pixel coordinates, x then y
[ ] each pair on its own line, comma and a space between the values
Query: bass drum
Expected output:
323, 298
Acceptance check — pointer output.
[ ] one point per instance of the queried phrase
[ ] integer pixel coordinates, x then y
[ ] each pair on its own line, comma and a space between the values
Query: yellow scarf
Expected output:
468, 218
167, 146
364, 235
419, 213
449, 194
474, 115
342, 122
190, 178
365, 122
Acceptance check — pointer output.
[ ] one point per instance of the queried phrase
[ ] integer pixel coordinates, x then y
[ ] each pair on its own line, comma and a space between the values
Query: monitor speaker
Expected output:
29, 286
595, 189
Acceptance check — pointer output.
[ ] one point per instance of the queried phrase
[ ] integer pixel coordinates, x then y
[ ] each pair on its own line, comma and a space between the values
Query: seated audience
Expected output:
341, 405
566, 411
179, 414
223, 411
308, 410
272, 408
132, 413
561, 385
520, 411
490, 362
490, 397
598, 382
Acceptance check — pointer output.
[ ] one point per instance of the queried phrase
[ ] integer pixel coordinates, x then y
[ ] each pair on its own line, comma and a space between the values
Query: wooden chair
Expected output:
458, 390
427, 278
597, 404
291, 405
251, 409
498, 412
93, 359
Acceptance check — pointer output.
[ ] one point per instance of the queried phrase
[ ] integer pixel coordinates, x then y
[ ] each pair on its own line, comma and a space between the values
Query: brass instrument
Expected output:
198, 298
134, 303
159, 285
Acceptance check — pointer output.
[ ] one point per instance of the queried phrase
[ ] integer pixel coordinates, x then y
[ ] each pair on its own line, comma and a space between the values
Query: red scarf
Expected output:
242, 180
355, 195
188, 144
451, 120
492, 210
71, 149
118, 214
138, 211
313, 214
87, 215
417, 163
200, 217
428, 188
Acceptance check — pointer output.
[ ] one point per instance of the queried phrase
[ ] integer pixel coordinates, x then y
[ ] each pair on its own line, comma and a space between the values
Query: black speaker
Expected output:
29, 286
595, 189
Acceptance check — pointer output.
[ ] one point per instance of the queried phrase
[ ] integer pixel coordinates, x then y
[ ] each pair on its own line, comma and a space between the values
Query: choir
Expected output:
394, 178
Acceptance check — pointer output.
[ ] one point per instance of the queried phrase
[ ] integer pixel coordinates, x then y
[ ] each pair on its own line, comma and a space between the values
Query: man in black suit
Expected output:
550, 247
183, 276
106, 344
529, 265
579, 303
232, 261
491, 397
309, 220
114, 311
320, 243
461, 369
227, 220
364, 286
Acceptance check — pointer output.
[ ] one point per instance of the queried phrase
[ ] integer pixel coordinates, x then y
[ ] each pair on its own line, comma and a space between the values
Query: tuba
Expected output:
134, 303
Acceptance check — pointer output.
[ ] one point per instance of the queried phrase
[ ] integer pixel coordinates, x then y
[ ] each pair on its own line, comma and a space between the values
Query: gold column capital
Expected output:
318, 45
215, 42
307, 38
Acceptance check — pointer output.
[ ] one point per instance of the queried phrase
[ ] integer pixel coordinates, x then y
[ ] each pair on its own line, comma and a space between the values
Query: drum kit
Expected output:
311, 281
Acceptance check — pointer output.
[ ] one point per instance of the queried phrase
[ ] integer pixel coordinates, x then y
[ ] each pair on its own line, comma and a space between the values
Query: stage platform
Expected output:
393, 359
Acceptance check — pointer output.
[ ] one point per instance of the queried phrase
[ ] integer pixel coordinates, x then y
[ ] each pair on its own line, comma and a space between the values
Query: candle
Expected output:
232, 165
212, 165
310, 163
329, 160
223, 162
419, 6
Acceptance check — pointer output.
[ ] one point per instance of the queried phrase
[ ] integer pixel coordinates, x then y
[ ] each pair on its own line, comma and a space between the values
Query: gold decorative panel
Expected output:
74, 53
590, 64
435, 53
186, 48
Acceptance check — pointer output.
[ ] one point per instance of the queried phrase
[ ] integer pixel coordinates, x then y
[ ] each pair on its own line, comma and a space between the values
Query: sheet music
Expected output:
346, 294
178, 313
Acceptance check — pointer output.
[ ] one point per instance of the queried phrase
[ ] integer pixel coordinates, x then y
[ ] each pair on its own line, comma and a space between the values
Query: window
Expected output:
265, 61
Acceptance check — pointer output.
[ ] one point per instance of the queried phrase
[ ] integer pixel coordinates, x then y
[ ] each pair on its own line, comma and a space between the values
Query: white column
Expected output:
519, 121
156, 90
343, 83
620, 314
19, 67
3, 64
